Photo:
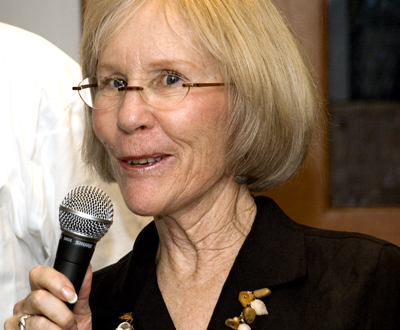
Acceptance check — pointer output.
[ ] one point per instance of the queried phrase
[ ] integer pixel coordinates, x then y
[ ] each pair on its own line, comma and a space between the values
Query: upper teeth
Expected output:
143, 161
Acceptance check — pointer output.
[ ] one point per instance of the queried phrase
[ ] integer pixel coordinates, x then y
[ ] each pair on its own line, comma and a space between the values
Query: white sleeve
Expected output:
41, 129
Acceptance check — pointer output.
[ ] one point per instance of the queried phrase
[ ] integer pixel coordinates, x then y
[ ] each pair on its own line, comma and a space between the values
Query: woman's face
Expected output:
165, 160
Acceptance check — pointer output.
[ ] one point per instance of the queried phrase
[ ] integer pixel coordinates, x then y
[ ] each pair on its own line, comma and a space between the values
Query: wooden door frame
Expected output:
306, 197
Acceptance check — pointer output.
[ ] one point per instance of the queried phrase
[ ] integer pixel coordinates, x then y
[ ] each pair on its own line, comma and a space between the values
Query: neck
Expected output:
197, 250
203, 241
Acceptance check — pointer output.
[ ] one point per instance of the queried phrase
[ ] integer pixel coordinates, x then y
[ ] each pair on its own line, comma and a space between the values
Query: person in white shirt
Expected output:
41, 121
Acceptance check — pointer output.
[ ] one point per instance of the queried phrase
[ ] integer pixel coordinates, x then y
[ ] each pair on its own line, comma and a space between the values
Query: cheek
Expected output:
204, 115
214, 111
101, 123
201, 128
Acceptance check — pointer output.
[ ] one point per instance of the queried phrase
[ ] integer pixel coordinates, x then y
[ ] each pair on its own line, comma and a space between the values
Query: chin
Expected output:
142, 203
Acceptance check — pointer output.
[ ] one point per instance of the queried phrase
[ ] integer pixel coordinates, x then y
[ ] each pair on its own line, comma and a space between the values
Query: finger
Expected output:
53, 310
12, 323
31, 323
17, 307
86, 284
81, 308
47, 278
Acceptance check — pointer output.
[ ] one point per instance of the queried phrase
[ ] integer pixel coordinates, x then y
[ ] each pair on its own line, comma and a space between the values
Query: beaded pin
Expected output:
252, 307
127, 324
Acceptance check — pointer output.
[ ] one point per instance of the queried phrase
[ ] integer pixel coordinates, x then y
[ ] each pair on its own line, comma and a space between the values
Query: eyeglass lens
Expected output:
157, 94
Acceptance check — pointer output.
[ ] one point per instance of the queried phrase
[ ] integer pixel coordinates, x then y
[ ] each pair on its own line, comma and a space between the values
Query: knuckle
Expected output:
17, 307
10, 323
34, 271
34, 276
67, 321
42, 277
39, 298
38, 322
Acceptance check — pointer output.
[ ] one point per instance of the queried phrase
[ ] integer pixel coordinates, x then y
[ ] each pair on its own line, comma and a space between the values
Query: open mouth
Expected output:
144, 161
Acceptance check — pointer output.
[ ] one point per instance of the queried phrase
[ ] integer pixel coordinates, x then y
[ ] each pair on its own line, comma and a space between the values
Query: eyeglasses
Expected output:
165, 91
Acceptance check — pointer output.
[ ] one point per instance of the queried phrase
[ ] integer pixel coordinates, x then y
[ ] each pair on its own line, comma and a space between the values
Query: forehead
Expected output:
155, 35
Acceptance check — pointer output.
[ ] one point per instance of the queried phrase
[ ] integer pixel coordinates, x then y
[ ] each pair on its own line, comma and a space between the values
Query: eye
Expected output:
166, 80
117, 83
171, 79
109, 83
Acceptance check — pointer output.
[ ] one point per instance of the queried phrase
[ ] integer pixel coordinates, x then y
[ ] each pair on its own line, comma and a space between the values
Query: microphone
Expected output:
86, 214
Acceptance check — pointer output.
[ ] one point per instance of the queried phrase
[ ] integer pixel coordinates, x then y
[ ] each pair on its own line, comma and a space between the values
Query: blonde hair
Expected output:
273, 107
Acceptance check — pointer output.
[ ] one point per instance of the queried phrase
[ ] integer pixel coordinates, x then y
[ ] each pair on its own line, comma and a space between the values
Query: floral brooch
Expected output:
252, 306
127, 324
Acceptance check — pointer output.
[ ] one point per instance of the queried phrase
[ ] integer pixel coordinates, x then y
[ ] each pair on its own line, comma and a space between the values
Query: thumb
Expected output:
81, 309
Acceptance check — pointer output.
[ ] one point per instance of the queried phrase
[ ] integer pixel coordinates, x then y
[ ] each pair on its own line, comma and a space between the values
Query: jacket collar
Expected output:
272, 254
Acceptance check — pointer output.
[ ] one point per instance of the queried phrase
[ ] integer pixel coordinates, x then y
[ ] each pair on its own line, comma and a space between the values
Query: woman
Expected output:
194, 104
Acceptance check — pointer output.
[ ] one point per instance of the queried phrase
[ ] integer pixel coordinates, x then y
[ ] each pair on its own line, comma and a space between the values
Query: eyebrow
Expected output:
165, 64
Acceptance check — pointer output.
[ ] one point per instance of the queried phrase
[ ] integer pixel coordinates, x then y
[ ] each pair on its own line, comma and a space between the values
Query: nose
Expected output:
134, 114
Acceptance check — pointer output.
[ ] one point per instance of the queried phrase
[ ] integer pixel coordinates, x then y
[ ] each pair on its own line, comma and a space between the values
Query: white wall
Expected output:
59, 21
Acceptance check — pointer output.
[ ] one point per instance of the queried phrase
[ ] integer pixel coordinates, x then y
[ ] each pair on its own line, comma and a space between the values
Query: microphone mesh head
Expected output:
86, 212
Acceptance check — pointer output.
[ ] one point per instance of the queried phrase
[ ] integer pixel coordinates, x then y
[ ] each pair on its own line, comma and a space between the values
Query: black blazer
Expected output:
319, 279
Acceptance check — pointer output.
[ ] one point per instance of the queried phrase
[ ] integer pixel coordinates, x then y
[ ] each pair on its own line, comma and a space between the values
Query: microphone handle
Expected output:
73, 259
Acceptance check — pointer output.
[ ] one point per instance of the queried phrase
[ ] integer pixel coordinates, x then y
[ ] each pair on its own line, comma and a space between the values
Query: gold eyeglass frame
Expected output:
140, 88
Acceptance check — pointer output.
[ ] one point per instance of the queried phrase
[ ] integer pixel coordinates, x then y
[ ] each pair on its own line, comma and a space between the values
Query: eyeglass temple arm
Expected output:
139, 88
78, 88
130, 88
203, 84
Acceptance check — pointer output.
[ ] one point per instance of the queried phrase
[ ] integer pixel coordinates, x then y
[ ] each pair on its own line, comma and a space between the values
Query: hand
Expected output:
47, 303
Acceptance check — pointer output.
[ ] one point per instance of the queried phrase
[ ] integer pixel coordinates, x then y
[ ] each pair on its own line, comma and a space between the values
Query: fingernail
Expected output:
69, 295
73, 300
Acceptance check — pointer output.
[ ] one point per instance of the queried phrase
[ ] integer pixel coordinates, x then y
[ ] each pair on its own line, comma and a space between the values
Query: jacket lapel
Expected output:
272, 254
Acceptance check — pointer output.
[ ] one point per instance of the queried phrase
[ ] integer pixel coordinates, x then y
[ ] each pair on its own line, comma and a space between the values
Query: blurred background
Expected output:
58, 21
